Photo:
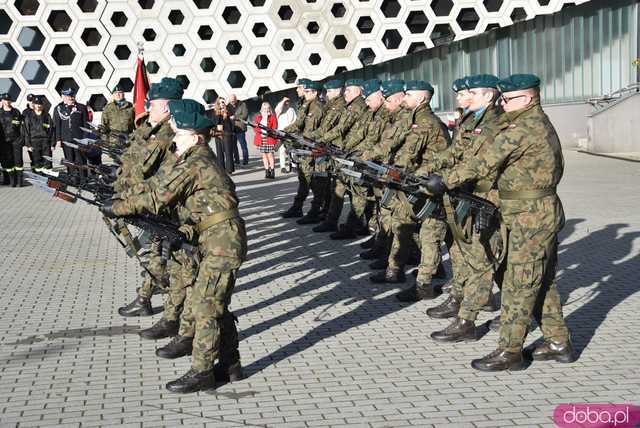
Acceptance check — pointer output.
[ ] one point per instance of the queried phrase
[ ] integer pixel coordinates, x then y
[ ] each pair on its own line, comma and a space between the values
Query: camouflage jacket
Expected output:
119, 119
308, 119
393, 135
203, 190
526, 154
365, 135
333, 110
350, 115
147, 148
426, 136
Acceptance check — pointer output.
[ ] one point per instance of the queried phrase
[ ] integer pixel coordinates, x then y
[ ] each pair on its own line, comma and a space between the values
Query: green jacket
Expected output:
333, 111
119, 119
353, 111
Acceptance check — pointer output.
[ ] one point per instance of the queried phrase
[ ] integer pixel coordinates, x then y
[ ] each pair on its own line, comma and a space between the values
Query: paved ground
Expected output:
321, 345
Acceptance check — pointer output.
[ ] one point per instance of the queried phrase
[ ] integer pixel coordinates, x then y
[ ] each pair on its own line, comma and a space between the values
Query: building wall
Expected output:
217, 47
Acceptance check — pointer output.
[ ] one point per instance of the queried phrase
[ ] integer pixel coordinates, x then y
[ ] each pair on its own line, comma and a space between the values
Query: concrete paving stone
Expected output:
317, 339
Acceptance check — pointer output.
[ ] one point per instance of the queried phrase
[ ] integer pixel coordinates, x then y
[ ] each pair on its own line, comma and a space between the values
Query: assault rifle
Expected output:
106, 172
92, 128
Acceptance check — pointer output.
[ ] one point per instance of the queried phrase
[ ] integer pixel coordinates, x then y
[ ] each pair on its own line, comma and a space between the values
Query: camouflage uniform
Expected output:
208, 196
528, 158
147, 148
336, 136
426, 137
308, 120
118, 118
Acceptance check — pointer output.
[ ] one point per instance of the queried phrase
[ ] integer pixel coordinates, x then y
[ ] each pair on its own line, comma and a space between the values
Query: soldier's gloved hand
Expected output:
435, 185
107, 209
188, 231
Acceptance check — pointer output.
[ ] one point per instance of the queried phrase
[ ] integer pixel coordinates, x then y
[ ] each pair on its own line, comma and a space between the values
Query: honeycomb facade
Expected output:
248, 47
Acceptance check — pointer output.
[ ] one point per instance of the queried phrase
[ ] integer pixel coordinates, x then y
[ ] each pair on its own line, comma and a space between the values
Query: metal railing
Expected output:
606, 100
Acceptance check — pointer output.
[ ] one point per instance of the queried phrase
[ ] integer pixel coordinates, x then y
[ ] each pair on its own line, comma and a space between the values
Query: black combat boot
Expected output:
500, 360
418, 292
12, 179
371, 254
160, 330
494, 324
369, 243
193, 381
447, 309
140, 307
379, 264
179, 346
459, 330
561, 352
325, 227
344, 232
362, 230
312, 217
389, 276
292, 212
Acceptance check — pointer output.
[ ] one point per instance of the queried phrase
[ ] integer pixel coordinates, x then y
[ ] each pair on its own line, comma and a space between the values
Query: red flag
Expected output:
141, 86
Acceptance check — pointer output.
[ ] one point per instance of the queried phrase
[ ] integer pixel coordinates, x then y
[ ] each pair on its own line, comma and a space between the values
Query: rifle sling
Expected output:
522, 195
456, 229
483, 187
216, 218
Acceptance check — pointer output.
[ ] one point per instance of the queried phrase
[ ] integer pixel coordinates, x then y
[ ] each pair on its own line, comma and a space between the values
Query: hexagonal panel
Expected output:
285, 12
126, 84
205, 32
365, 24
176, 17
289, 76
262, 62
207, 64
63, 54
313, 27
231, 15
210, 96
122, 52
88, 6
184, 81
152, 67
340, 41
367, 56
234, 47
59, 20
31, 38
179, 49
236, 79
441, 7
338, 10
146, 4
416, 47
119, 19
287, 44
91, 37
27, 7
492, 5
391, 39
263, 90
442, 34
35, 72
9, 86
97, 102
259, 30
66, 82
5, 22
315, 58
417, 22
94, 70
518, 14
202, 4
468, 19
149, 34
390, 8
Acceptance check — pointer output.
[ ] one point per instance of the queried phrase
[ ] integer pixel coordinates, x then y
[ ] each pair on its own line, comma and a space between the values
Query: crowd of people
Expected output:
502, 148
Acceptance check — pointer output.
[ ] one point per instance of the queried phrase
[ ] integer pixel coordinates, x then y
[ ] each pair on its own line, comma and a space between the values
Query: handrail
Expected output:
603, 101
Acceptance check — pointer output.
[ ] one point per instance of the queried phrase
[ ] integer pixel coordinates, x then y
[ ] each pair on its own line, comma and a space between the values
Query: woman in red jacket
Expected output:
266, 144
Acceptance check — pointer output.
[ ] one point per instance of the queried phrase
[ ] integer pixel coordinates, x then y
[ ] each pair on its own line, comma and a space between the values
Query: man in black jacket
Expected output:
68, 117
11, 149
38, 134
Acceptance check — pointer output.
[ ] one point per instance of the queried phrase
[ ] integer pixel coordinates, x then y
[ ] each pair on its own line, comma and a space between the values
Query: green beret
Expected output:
518, 82
302, 82
418, 85
186, 105
370, 86
481, 81
390, 87
167, 89
310, 84
459, 84
334, 84
353, 82
192, 120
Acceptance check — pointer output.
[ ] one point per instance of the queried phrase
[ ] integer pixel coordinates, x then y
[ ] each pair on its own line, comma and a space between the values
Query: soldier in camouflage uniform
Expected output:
308, 120
208, 196
426, 137
473, 270
354, 107
528, 159
118, 115
393, 135
333, 110
147, 148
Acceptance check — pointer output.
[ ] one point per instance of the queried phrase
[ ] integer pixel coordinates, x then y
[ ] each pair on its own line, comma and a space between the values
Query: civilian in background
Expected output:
68, 117
224, 134
286, 115
239, 112
266, 117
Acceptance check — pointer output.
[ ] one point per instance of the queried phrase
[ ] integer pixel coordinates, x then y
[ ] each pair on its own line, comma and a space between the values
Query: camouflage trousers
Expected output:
432, 233
306, 183
405, 241
338, 192
473, 273
529, 287
157, 267
216, 335
182, 271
